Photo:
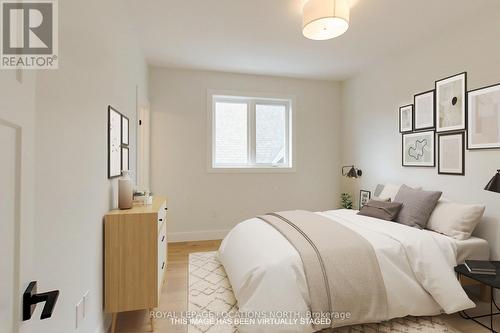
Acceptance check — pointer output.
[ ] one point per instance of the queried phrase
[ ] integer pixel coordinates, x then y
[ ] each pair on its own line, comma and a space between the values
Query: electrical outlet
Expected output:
85, 303
79, 312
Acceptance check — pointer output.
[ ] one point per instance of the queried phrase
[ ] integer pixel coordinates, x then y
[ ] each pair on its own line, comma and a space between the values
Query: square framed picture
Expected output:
406, 118
364, 197
451, 156
418, 149
125, 130
425, 111
125, 159
451, 103
114, 142
484, 118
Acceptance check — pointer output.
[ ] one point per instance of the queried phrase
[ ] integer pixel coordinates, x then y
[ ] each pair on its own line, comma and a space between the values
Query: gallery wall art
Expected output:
451, 106
425, 111
118, 140
451, 153
418, 149
484, 118
406, 119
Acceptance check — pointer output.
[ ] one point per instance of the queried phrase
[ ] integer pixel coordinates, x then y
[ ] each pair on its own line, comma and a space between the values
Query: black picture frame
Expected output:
123, 142
433, 165
123, 149
112, 112
440, 135
469, 116
412, 118
465, 102
360, 196
433, 126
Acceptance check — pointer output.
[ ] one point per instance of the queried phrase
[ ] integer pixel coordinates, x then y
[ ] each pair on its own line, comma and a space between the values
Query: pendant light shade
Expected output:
325, 19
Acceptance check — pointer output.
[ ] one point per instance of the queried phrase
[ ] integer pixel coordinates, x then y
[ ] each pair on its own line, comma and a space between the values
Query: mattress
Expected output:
473, 248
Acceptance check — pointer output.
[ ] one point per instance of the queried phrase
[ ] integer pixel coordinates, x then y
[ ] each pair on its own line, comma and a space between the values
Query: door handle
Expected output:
31, 299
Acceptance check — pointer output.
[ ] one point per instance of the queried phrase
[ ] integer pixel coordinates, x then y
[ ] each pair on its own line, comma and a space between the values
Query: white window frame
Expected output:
251, 99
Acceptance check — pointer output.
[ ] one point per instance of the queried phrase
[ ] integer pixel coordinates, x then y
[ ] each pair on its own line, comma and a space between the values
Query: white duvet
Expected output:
266, 271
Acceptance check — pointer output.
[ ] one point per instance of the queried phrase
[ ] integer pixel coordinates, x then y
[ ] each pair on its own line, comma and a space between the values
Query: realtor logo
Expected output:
29, 34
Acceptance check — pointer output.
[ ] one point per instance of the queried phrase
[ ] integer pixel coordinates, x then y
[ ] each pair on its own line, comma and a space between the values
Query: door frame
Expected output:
17, 220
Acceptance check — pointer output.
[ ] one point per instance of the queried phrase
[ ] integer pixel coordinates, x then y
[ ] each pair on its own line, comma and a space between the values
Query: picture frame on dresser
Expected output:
406, 119
451, 153
424, 114
418, 149
451, 103
483, 126
364, 197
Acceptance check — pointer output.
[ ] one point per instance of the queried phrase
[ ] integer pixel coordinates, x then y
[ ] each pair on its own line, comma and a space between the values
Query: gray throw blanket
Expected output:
341, 268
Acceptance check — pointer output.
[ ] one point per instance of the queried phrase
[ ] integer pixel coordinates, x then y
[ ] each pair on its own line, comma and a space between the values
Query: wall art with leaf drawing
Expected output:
419, 149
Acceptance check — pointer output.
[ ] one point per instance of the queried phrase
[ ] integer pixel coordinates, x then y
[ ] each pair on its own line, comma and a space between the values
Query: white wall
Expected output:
205, 205
370, 116
100, 64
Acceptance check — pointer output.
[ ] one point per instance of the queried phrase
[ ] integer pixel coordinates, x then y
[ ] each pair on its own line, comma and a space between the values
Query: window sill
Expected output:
252, 170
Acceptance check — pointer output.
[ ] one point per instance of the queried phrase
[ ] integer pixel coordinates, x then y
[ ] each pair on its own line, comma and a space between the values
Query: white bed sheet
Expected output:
266, 271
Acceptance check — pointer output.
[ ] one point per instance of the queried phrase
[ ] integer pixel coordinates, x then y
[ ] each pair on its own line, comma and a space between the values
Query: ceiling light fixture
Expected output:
325, 19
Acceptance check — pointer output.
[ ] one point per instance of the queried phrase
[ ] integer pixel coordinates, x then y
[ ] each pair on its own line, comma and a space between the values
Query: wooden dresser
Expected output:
135, 257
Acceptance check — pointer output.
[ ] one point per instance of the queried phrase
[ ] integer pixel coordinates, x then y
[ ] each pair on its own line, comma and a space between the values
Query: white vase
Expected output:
125, 195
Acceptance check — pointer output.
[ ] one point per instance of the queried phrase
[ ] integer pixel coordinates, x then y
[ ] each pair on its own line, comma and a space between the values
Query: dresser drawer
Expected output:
162, 215
162, 255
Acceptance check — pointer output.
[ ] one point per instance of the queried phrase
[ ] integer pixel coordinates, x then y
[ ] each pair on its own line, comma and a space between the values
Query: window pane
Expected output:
270, 124
231, 133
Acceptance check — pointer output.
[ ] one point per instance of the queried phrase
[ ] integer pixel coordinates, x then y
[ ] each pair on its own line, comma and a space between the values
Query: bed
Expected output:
267, 274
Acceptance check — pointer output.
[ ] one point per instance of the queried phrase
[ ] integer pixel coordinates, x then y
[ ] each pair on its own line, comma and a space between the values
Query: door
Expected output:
10, 168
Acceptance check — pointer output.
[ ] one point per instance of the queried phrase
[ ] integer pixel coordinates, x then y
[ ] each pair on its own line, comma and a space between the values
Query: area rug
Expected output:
210, 292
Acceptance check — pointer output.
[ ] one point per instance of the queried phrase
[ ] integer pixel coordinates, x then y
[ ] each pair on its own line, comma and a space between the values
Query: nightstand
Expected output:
493, 281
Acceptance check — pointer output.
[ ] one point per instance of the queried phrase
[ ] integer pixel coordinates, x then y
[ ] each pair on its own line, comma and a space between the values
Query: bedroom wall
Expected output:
206, 205
370, 115
100, 64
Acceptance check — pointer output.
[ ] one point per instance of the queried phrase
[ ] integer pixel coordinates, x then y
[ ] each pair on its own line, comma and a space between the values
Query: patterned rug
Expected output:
210, 295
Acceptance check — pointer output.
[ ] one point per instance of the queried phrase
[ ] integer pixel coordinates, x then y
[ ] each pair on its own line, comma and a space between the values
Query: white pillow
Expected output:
390, 191
454, 219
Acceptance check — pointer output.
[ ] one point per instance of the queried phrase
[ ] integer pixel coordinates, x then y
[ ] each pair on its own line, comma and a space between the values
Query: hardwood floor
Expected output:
174, 296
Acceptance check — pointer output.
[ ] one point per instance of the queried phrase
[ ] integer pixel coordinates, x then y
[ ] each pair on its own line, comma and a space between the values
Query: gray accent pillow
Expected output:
383, 210
417, 206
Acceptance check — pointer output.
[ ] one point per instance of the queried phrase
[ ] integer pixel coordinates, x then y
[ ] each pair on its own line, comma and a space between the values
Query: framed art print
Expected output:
451, 156
451, 104
125, 131
406, 118
114, 142
364, 197
484, 118
125, 159
418, 149
424, 115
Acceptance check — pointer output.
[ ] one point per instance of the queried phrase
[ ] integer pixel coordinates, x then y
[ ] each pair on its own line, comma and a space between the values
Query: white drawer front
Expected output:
162, 215
162, 256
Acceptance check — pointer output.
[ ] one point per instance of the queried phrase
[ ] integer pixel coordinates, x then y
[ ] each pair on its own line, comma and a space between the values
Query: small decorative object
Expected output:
125, 158
125, 193
114, 142
352, 172
484, 118
418, 149
406, 118
125, 128
364, 197
451, 106
494, 184
346, 201
424, 114
451, 159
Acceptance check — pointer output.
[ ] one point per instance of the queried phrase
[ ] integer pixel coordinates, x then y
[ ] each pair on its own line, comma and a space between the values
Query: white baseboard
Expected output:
105, 325
196, 235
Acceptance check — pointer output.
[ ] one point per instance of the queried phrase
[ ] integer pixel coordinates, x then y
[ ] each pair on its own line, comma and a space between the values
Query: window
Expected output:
250, 132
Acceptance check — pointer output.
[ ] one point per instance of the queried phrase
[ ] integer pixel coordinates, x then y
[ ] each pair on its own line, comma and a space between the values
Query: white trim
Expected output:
256, 97
104, 325
190, 236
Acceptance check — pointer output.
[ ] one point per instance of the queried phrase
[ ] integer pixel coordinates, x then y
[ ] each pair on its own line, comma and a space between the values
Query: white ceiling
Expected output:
264, 36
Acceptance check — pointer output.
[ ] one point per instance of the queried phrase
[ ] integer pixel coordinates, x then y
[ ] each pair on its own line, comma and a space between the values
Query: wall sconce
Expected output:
494, 184
352, 173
